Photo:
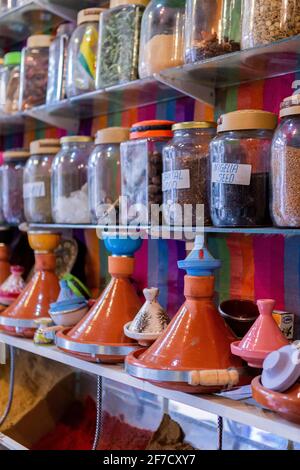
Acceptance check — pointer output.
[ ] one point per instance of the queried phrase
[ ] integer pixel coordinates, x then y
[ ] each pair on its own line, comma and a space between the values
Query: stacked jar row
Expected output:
136, 38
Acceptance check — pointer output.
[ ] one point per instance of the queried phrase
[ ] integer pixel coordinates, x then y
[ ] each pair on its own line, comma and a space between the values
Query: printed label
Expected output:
176, 179
231, 173
34, 189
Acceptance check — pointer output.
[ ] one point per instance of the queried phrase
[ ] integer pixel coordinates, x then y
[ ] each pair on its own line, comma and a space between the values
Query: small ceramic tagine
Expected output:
40, 334
262, 338
150, 321
69, 308
12, 286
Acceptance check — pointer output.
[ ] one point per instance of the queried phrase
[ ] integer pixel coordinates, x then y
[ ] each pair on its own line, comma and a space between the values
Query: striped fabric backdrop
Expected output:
252, 266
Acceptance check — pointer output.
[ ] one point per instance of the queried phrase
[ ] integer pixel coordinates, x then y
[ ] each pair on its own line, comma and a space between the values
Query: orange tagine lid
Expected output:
151, 128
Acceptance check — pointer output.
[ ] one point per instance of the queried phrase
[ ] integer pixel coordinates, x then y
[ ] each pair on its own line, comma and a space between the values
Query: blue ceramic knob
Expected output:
199, 262
122, 246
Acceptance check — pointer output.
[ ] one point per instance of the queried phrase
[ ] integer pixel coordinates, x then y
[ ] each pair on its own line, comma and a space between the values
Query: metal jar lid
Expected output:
194, 125
44, 147
290, 106
15, 154
75, 138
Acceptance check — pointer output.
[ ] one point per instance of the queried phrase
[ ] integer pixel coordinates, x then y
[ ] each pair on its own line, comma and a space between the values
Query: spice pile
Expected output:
210, 46
161, 52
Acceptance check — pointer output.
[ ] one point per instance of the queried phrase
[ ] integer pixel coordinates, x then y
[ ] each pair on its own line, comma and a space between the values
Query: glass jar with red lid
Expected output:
141, 171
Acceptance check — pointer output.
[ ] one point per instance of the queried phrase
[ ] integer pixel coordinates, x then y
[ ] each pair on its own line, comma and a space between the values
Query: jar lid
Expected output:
112, 135
118, 3
290, 106
12, 58
194, 125
247, 119
39, 40
89, 14
75, 138
44, 147
16, 154
152, 128
1, 61
65, 28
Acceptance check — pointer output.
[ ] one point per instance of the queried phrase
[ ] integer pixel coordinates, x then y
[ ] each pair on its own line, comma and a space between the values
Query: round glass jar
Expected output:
264, 21
185, 172
11, 76
285, 166
239, 169
37, 181
34, 71
69, 187
104, 176
2, 85
141, 170
212, 27
82, 53
162, 36
12, 185
119, 41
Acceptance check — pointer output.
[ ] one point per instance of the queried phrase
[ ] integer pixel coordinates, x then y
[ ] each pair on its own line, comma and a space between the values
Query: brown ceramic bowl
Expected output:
43, 241
239, 314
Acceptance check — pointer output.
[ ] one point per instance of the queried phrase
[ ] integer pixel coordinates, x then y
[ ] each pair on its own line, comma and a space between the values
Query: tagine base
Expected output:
25, 333
286, 404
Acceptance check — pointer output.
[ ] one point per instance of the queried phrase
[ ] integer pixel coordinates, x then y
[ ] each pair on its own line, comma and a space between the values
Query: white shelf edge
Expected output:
10, 444
238, 411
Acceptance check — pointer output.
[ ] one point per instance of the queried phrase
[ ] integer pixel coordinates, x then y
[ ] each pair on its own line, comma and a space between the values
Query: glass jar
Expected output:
57, 71
2, 220
185, 171
104, 174
285, 166
239, 169
37, 180
69, 187
82, 53
141, 169
264, 21
12, 184
8, 5
2, 85
162, 36
119, 41
11, 82
212, 27
34, 71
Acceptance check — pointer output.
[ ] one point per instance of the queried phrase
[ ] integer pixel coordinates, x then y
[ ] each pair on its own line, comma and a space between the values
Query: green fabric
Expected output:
12, 58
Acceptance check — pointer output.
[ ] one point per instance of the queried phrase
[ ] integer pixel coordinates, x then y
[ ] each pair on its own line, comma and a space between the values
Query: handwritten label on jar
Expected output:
36, 189
176, 179
231, 173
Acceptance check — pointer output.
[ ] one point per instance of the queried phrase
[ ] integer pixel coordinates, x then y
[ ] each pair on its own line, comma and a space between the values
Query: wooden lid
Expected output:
247, 119
89, 14
44, 147
112, 135
39, 40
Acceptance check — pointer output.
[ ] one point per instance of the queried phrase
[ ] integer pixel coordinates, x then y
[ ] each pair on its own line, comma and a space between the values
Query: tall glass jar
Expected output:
69, 187
57, 71
2, 85
12, 185
239, 169
212, 27
285, 166
119, 41
82, 53
185, 172
141, 169
11, 85
104, 174
2, 220
264, 21
162, 36
34, 71
37, 180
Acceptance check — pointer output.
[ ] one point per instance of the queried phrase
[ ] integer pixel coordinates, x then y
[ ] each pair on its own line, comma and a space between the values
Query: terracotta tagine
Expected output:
193, 353
99, 336
33, 303
4, 263
262, 338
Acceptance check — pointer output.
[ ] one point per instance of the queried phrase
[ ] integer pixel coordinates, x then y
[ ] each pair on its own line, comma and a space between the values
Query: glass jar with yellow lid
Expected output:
285, 165
69, 187
185, 171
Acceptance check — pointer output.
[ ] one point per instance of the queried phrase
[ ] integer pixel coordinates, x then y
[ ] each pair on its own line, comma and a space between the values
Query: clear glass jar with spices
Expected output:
185, 173
82, 52
141, 170
285, 166
265, 21
69, 186
34, 71
119, 41
2, 85
11, 85
212, 27
57, 71
239, 169
12, 185
37, 180
162, 36
104, 175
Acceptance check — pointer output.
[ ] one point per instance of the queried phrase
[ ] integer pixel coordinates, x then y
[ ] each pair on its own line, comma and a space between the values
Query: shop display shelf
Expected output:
244, 411
37, 16
6, 443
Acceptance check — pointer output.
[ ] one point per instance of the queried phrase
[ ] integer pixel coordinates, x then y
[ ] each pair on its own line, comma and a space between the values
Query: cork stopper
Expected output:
17, 154
44, 147
112, 135
118, 3
39, 40
247, 119
89, 15
75, 138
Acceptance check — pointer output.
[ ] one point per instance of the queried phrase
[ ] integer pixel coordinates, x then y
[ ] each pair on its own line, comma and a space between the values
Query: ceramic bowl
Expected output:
239, 314
43, 241
68, 317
